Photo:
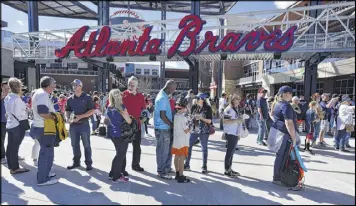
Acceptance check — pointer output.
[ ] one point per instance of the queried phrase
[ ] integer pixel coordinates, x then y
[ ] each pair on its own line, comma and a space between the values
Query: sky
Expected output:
18, 22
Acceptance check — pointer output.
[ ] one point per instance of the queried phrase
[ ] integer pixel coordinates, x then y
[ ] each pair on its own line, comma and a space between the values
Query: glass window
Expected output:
154, 72
73, 66
147, 71
138, 71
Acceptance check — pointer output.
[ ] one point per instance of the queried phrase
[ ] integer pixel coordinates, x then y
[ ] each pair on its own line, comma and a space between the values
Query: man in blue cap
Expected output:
79, 108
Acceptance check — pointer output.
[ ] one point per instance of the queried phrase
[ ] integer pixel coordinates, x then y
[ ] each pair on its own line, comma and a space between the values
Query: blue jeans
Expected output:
341, 139
278, 162
347, 139
94, 124
204, 145
316, 131
75, 134
163, 137
261, 129
45, 158
230, 151
14, 139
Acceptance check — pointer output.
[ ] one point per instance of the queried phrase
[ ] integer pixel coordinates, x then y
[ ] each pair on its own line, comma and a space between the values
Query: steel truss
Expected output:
336, 35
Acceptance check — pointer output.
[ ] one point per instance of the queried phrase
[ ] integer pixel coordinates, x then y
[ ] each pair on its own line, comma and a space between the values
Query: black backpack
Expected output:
291, 172
128, 131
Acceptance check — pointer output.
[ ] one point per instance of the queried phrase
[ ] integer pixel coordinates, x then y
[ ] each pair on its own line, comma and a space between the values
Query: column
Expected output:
162, 65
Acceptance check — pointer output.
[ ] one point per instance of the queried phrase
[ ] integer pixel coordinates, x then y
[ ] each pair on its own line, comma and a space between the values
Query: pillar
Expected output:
162, 65
220, 63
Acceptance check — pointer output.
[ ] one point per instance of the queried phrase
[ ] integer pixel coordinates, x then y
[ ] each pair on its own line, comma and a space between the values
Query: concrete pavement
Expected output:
330, 179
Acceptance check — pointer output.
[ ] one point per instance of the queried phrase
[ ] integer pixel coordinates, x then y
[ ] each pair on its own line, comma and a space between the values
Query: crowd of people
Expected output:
179, 124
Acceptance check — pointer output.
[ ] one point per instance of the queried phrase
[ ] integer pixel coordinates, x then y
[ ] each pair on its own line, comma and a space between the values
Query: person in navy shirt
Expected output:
55, 101
4, 92
116, 113
79, 108
326, 106
262, 116
285, 121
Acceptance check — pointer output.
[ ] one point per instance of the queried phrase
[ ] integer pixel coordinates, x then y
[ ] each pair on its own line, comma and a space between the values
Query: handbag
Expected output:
128, 131
349, 128
24, 124
211, 129
242, 132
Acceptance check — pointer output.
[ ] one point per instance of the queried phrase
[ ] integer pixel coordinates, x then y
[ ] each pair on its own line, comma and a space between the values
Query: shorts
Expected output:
324, 125
310, 136
180, 152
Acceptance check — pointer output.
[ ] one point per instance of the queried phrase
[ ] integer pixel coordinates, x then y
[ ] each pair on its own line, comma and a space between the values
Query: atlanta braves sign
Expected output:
191, 26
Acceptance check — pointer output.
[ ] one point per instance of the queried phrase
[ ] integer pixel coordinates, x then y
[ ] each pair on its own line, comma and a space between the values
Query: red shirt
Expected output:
134, 104
172, 103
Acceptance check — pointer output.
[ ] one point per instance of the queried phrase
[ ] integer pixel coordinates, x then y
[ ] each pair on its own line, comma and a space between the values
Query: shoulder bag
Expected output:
242, 132
24, 124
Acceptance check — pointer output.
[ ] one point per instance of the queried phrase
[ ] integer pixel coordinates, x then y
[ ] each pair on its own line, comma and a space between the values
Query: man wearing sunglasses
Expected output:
79, 108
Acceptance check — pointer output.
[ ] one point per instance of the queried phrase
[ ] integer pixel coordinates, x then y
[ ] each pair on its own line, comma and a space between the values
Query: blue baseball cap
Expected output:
285, 89
202, 96
77, 82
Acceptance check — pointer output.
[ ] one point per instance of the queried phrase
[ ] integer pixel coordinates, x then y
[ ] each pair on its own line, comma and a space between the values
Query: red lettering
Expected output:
187, 24
74, 44
89, 45
129, 47
227, 41
153, 46
103, 39
112, 48
286, 41
142, 41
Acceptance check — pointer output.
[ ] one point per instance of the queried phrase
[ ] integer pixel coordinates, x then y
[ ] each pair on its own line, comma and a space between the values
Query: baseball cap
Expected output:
285, 89
77, 82
345, 99
262, 90
202, 96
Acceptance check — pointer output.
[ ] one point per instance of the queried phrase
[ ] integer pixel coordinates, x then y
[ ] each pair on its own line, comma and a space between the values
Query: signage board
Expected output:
191, 26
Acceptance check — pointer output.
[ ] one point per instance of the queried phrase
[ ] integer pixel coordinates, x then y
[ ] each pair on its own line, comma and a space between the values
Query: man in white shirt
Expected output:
42, 107
222, 105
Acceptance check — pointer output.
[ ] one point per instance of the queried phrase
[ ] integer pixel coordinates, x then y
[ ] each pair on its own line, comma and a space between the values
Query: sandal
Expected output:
18, 171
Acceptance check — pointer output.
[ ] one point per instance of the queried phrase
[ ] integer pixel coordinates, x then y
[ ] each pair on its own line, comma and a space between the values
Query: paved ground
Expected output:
330, 179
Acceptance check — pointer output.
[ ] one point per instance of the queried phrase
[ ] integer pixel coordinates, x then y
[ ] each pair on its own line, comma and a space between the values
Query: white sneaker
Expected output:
3, 161
49, 182
51, 175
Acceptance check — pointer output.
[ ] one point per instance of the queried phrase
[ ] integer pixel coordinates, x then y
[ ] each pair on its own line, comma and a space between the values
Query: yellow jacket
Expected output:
56, 127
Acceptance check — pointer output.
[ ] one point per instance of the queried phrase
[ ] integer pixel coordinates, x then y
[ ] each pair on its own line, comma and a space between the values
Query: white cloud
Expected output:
283, 4
20, 22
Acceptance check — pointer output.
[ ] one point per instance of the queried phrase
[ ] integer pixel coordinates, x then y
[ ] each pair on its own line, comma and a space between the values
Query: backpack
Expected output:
291, 172
128, 131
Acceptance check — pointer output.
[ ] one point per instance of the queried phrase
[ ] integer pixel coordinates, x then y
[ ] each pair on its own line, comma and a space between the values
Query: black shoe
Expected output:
204, 170
230, 174
73, 166
237, 149
177, 176
344, 150
186, 168
235, 173
138, 169
196, 142
348, 146
126, 174
183, 179
88, 168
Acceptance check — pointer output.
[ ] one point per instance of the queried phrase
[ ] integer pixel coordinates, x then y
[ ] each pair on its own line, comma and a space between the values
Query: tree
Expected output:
145, 84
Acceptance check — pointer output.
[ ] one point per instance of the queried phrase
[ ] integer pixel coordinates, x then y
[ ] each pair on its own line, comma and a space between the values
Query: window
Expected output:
138, 71
299, 89
155, 72
146, 71
73, 66
320, 87
251, 70
344, 86
56, 65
